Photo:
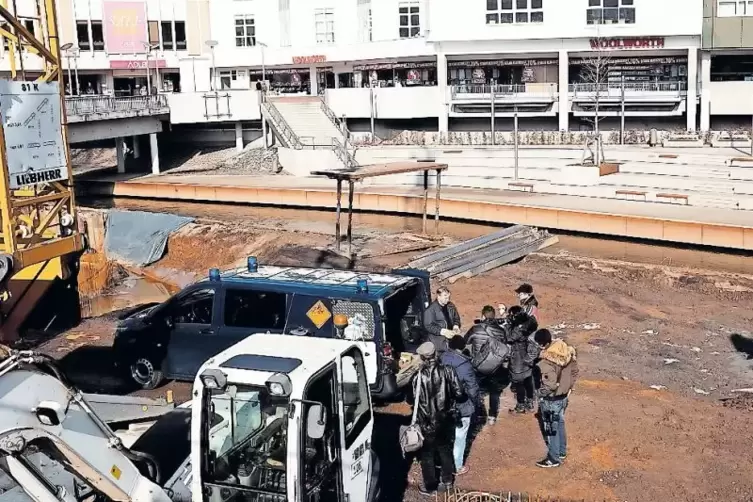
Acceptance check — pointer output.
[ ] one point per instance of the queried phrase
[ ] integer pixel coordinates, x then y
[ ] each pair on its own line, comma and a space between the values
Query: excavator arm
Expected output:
45, 420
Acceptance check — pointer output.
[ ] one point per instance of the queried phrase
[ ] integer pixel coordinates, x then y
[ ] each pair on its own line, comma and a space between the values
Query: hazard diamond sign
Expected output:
319, 314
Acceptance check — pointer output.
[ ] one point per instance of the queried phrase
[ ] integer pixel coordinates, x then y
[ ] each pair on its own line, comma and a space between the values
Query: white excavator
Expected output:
273, 418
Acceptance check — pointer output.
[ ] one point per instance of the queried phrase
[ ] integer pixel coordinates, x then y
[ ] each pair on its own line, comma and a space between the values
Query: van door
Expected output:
425, 278
248, 312
356, 424
368, 336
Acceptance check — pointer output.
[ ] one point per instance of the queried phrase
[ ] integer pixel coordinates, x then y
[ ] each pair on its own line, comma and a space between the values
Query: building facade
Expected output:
436, 63
726, 63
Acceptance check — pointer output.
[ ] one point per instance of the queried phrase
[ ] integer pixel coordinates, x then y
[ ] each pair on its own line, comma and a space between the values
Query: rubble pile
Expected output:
253, 160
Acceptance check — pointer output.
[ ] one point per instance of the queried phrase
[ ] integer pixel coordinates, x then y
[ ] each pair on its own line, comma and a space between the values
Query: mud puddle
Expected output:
133, 290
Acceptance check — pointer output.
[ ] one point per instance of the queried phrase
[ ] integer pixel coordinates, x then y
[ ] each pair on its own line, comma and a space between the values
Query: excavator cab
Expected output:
294, 427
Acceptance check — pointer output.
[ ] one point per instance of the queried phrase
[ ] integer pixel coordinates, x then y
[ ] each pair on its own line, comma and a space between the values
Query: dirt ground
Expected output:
685, 332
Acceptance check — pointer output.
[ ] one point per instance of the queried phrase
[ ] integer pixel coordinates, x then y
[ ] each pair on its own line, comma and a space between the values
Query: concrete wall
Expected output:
731, 98
193, 107
389, 102
725, 32
302, 162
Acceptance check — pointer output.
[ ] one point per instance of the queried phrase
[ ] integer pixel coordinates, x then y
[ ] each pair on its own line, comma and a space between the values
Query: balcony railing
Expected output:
482, 91
615, 88
80, 108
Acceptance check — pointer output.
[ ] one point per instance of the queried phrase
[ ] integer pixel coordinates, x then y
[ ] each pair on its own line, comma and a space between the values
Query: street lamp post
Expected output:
66, 48
263, 66
148, 50
213, 82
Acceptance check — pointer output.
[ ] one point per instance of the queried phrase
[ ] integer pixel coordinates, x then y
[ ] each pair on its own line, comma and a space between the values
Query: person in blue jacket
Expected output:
455, 358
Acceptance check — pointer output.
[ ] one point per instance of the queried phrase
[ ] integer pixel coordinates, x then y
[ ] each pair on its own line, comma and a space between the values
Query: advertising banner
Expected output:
124, 26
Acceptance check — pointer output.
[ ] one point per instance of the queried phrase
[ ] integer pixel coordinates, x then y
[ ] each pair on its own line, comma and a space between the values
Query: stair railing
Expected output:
280, 124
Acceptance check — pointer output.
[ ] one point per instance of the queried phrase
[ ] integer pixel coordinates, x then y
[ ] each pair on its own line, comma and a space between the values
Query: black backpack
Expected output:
490, 357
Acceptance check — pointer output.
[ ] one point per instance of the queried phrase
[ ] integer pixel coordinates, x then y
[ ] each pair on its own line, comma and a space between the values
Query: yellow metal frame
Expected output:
30, 228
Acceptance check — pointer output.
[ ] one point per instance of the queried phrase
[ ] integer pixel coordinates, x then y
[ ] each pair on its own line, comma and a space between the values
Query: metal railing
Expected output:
332, 117
483, 90
90, 105
342, 153
280, 124
615, 88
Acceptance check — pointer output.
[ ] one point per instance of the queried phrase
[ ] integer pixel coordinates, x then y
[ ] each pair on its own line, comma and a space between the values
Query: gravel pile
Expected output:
228, 161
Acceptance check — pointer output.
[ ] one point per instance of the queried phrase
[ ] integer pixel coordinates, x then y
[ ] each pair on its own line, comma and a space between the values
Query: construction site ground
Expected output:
662, 343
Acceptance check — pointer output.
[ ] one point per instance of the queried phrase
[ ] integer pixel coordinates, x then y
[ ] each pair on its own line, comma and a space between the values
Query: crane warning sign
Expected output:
33, 133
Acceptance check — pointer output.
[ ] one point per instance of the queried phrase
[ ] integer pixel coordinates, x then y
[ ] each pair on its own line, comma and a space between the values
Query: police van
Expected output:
381, 312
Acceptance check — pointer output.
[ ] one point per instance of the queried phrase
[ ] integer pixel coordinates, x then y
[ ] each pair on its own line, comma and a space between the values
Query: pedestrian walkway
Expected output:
635, 219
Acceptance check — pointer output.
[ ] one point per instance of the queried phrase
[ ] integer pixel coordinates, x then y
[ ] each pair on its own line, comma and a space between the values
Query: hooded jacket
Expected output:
469, 382
559, 369
524, 350
440, 390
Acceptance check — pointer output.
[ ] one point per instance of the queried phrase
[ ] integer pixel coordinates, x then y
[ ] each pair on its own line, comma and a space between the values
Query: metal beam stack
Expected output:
472, 257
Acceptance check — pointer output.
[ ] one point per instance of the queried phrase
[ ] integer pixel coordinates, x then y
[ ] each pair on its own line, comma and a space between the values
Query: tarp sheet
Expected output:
138, 237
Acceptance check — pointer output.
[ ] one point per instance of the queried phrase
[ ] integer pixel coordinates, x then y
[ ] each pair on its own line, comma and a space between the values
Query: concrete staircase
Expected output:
706, 180
308, 120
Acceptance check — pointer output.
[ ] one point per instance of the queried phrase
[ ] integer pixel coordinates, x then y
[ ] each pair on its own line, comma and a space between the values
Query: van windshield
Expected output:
248, 447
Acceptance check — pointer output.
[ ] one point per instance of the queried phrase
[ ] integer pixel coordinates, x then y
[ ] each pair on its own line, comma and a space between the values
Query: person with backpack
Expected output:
523, 354
455, 359
558, 365
489, 354
435, 390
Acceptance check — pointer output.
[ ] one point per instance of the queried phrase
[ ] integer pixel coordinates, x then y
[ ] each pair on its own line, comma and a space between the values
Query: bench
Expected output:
525, 187
740, 160
674, 197
668, 156
630, 194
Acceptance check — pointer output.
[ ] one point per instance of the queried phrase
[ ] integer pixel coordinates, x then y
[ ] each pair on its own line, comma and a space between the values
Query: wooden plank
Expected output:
629, 192
672, 196
375, 170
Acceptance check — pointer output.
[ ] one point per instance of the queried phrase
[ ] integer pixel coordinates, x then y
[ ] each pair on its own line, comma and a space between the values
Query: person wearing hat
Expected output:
528, 300
438, 389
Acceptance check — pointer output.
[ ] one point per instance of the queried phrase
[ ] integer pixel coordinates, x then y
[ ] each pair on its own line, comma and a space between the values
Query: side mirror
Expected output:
316, 421
49, 413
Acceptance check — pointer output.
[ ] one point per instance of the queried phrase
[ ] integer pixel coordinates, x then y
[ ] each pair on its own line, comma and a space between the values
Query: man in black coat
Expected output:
441, 320
524, 351
475, 339
440, 390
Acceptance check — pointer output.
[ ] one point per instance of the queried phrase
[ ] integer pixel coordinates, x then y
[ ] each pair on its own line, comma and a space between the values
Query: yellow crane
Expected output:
39, 236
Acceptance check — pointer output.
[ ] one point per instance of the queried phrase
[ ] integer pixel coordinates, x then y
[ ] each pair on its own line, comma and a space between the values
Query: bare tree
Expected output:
595, 74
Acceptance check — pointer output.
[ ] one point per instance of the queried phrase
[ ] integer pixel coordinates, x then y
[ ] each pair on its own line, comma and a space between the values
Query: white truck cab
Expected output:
280, 418
273, 418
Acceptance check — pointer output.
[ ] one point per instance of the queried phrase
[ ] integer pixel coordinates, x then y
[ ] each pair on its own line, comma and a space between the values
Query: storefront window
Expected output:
503, 72
406, 74
732, 68
669, 73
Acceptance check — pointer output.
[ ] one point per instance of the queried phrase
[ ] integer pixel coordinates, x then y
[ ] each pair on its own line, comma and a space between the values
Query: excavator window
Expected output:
248, 447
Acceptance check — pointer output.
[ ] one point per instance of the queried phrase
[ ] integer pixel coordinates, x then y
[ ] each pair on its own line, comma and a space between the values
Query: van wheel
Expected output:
146, 374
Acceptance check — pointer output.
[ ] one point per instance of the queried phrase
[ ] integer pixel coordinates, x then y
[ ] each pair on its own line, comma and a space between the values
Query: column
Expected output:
154, 149
239, 136
564, 88
136, 147
314, 81
691, 101
444, 117
337, 80
264, 133
120, 153
705, 91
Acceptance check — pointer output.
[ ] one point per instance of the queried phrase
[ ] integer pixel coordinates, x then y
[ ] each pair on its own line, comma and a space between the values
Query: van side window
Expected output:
355, 389
195, 308
254, 309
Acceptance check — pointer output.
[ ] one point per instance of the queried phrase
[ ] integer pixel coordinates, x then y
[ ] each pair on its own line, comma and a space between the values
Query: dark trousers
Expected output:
523, 390
438, 445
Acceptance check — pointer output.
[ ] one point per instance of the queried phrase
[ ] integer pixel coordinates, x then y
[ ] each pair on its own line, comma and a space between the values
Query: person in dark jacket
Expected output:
528, 300
455, 359
440, 390
475, 339
524, 351
441, 320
